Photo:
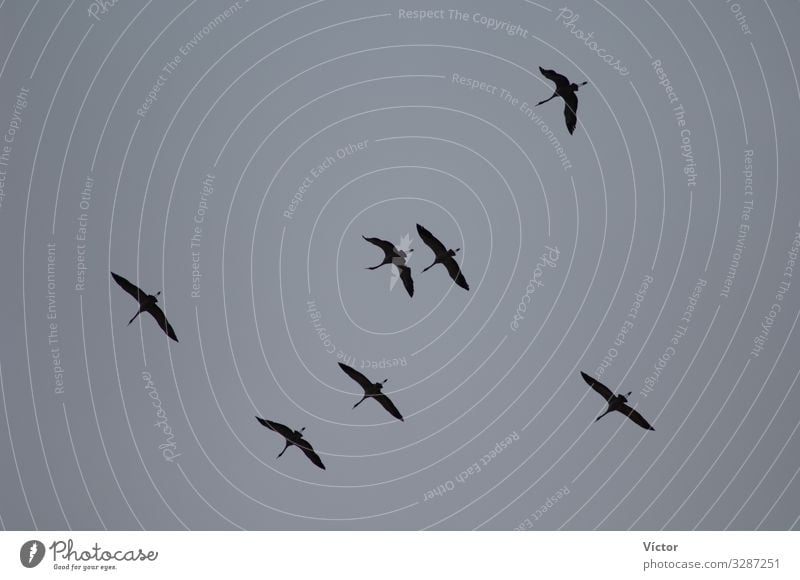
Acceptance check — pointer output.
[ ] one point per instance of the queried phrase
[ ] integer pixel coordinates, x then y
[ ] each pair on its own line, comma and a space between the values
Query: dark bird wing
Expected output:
634, 416
388, 405
310, 453
571, 111
455, 272
559, 79
431, 241
129, 287
357, 377
277, 427
405, 276
604, 391
161, 318
387, 247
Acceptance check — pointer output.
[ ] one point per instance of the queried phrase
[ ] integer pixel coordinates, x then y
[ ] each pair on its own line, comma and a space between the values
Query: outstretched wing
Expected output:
388, 405
455, 273
310, 453
129, 287
356, 376
571, 111
559, 79
604, 391
387, 247
634, 416
161, 318
431, 241
277, 427
405, 276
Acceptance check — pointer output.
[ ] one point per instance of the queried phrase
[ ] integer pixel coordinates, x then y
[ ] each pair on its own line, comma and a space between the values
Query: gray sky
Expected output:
231, 155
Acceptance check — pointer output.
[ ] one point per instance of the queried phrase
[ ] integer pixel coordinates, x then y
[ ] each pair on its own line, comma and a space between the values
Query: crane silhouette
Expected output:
616, 403
443, 256
371, 390
396, 257
293, 438
147, 303
566, 90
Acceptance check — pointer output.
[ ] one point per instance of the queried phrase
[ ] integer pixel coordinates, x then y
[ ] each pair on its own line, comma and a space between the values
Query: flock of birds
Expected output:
392, 255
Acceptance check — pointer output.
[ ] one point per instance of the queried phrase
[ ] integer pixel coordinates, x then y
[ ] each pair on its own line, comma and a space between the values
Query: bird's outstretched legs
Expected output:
361, 401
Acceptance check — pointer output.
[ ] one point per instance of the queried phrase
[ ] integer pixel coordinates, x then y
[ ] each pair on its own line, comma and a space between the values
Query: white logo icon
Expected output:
404, 245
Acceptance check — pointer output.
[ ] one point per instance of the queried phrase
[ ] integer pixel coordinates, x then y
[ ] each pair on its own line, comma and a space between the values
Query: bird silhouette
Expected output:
371, 390
566, 90
396, 257
147, 303
617, 403
443, 256
293, 438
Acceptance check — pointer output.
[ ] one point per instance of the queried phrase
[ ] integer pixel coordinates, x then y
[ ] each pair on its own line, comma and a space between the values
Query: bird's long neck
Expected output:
138, 312
604, 414
285, 447
436, 261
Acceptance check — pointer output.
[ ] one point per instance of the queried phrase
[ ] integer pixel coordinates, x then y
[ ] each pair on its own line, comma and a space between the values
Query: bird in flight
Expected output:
397, 258
147, 303
617, 403
443, 256
371, 390
566, 91
292, 438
